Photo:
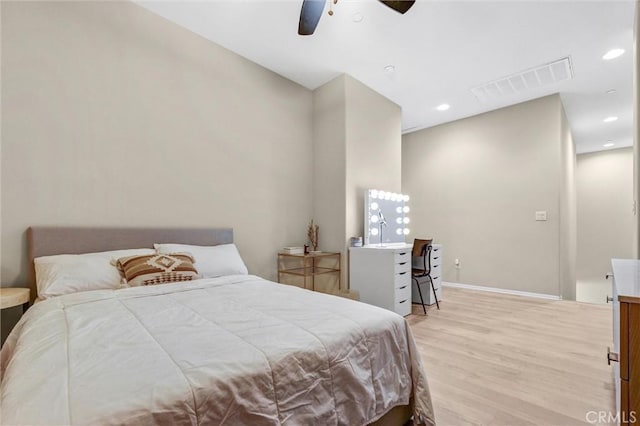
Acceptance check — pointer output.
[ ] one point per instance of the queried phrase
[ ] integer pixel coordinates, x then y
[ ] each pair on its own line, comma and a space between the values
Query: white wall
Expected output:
114, 116
475, 185
604, 182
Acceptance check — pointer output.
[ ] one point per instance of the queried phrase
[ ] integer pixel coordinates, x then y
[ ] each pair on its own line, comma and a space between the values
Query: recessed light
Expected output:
357, 17
609, 144
443, 107
389, 69
612, 54
611, 91
610, 119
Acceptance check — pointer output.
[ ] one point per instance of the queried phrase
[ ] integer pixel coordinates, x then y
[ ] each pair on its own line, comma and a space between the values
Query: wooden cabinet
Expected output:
626, 338
629, 357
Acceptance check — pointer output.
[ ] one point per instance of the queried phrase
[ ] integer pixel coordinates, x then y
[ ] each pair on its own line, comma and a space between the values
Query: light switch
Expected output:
541, 215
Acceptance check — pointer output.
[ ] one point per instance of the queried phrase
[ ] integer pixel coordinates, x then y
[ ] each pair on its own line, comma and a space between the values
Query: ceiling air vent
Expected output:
521, 82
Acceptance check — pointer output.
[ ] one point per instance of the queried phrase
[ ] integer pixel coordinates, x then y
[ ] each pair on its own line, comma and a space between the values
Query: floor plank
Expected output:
495, 359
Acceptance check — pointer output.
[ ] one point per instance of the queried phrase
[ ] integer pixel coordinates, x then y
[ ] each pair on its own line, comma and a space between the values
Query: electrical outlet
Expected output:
457, 263
541, 216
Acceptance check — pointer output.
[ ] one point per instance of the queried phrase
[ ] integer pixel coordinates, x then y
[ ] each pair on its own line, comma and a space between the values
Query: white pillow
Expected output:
210, 261
70, 273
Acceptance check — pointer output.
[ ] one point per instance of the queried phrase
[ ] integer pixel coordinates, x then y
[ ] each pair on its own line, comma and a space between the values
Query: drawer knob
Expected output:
609, 299
403, 287
402, 273
608, 275
612, 356
403, 301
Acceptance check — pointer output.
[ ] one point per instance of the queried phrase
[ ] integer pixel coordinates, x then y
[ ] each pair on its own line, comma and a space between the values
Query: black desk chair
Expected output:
422, 248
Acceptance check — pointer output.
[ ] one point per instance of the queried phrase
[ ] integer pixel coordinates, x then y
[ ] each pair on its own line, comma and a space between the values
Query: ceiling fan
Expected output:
312, 11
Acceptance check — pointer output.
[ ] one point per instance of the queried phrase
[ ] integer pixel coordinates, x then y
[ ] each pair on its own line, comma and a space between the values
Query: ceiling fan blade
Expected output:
399, 5
310, 16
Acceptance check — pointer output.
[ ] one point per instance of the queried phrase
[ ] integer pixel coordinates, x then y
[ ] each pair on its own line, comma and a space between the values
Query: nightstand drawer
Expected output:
403, 293
402, 279
404, 266
403, 307
437, 281
402, 256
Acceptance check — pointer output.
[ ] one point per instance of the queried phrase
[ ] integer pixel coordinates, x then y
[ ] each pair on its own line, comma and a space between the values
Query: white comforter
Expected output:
235, 350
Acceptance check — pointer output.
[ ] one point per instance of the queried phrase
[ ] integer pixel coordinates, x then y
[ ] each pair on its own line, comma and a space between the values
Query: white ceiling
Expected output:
440, 49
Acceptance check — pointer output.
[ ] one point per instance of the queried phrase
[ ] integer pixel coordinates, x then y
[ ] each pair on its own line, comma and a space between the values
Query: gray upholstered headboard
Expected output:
50, 240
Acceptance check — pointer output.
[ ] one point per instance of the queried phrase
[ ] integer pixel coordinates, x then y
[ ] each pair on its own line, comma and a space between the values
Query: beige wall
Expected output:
374, 150
329, 168
357, 145
568, 230
604, 183
115, 116
475, 185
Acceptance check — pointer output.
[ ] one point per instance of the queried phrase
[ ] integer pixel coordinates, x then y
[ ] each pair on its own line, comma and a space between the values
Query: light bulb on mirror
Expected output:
399, 210
399, 231
373, 193
387, 195
394, 196
374, 206
406, 220
406, 231
399, 221
406, 198
374, 218
374, 231
406, 209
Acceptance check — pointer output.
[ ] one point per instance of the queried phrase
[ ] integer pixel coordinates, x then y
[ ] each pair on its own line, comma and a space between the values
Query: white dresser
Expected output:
382, 275
437, 253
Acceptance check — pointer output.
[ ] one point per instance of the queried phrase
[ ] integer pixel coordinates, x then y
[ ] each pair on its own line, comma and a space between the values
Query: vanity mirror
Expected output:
386, 219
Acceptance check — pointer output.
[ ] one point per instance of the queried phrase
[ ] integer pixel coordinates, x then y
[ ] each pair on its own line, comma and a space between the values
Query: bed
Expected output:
233, 350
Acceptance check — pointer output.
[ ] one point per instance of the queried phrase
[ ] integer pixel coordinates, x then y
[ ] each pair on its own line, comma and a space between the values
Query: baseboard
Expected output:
501, 290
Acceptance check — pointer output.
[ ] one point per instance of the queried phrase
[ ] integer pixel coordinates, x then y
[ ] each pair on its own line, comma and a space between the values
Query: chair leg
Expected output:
435, 296
420, 293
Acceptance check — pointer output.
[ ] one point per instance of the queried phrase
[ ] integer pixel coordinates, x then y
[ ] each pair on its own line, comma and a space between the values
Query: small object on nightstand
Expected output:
293, 250
14, 296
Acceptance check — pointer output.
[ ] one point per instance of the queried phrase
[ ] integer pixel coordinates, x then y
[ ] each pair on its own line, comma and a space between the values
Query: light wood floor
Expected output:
495, 359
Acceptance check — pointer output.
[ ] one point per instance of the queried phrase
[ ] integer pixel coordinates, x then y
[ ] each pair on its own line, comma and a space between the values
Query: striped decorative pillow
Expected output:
157, 269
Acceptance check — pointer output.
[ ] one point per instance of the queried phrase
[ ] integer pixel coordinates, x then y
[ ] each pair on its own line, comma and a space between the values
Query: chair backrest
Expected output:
420, 247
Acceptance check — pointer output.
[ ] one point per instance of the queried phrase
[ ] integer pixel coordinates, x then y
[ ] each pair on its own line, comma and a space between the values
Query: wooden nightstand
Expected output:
14, 296
308, 267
